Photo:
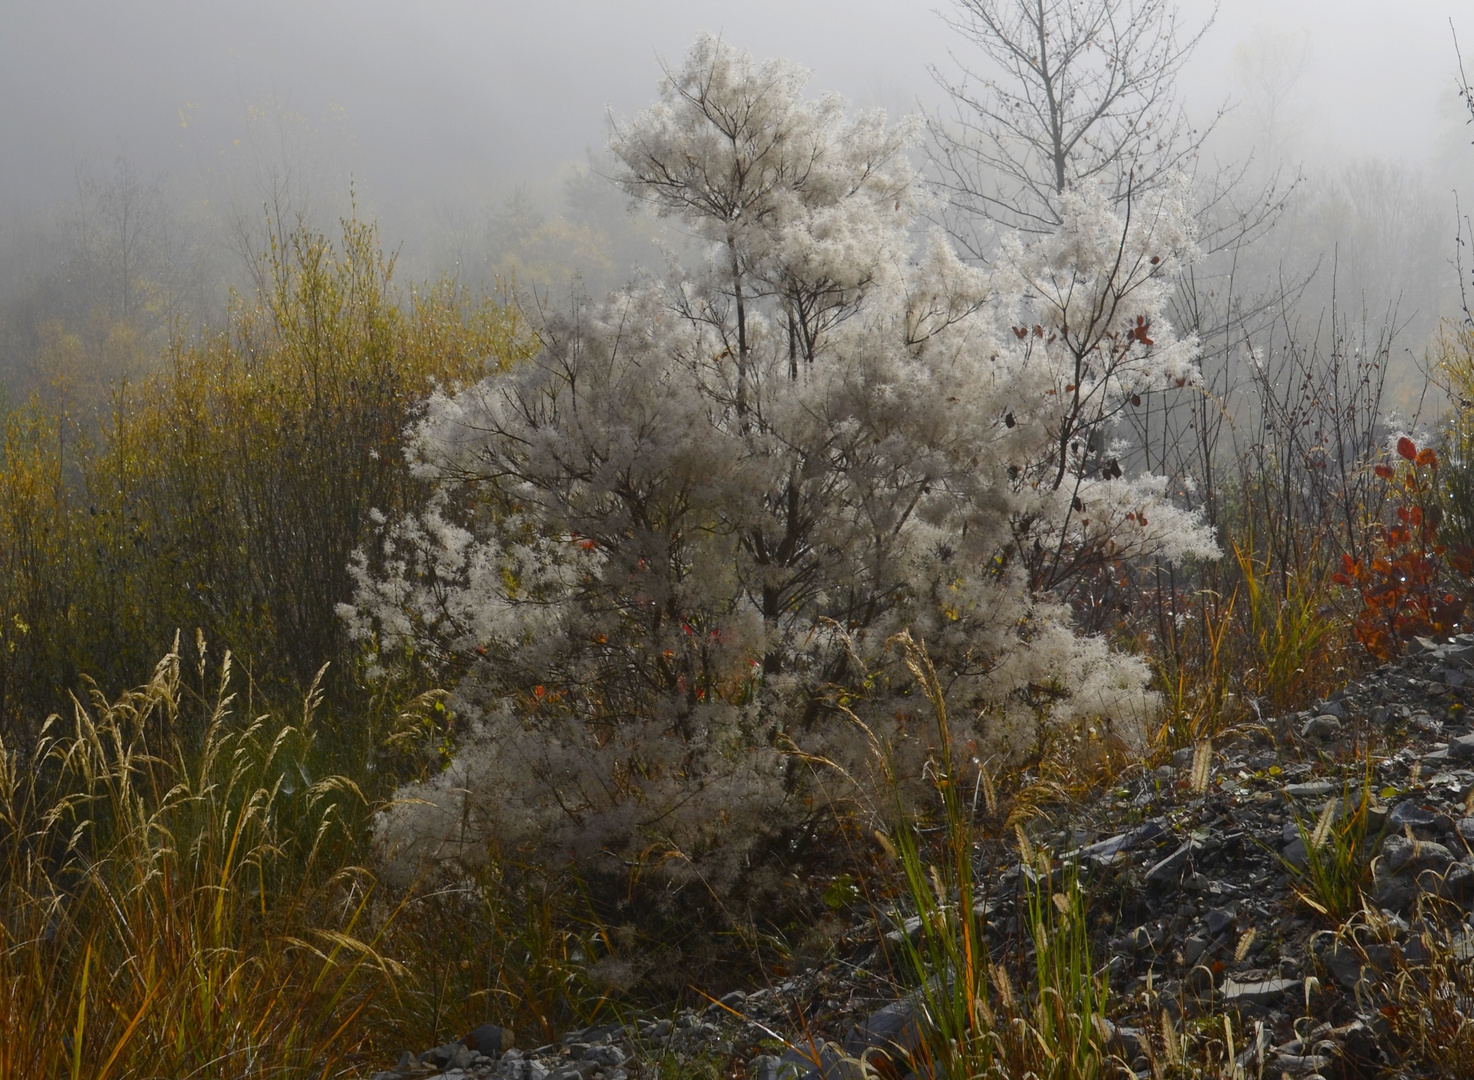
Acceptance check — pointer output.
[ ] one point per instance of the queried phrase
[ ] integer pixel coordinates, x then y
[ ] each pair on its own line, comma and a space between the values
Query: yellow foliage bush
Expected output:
226, 490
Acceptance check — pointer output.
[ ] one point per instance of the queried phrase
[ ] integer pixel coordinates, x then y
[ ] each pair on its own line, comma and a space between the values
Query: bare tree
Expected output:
1059, 92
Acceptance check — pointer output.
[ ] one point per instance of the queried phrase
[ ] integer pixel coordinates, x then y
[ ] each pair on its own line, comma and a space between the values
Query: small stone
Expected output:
1399, 854
490, 1039
892, 1029
1322, 728
1344, 965
1103, 852
1192, 949
1310, 789
1218, 920
1170, 868
1425, 724
763, 1067
1183, 759
1410, 813
606, 1055
1456, 883
1148, 832
1296, 854
1394, 893
1461, 749
1336, 710
1261, 992
1301, 1065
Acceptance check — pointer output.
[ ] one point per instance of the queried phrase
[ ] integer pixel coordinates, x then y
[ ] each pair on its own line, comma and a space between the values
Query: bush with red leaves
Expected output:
1402, 579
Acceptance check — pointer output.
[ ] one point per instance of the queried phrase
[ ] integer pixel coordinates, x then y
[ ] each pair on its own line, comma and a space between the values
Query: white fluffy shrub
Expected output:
661, 548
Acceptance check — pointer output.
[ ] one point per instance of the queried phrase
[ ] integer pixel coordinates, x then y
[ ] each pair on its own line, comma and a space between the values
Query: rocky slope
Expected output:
1203, 898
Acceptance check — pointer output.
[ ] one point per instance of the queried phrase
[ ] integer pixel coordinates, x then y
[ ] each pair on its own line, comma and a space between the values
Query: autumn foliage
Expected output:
1403, 578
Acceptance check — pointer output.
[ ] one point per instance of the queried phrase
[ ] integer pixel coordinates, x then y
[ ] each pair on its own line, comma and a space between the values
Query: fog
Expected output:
462, 127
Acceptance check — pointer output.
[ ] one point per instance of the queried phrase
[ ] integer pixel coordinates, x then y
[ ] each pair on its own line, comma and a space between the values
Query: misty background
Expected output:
155, 140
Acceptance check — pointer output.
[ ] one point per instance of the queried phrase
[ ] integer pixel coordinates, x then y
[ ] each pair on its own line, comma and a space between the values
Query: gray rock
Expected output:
490, 1039
1461, 749
764, 1067
1456, 883
1218, 920
798, 1064
1399, 854
1261, 992
1103, 852
1322, 728
1410, 813
449, 1056
1394, 893
1421, 646
892, 1029
575, 1070
1344, 965
1301, 1065
1465, 828
1128, 1039
1170, 869
1148, 832
1425, 724
1183, 759
1193, 949
1296, 854
607, 1055
1311, 789
1459, 652
1143, 940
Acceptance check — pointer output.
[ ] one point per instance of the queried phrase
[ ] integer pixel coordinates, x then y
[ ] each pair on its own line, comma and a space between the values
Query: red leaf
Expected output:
1426, 456
1407, 448
1384, 471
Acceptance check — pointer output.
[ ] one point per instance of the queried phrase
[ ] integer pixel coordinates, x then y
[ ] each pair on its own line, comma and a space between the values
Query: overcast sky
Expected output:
447, 99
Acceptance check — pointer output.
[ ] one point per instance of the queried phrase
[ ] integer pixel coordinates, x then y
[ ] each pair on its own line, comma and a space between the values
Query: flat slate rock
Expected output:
1310, 789
1261, 992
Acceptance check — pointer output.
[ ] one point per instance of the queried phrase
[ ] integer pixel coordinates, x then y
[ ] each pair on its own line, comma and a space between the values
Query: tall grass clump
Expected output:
176, 910
975, 1018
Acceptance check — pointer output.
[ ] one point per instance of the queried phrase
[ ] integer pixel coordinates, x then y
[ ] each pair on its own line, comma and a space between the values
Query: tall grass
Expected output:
178, 911
974, 1020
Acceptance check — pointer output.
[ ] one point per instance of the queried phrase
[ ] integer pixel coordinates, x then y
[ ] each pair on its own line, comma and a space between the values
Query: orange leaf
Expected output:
1426, 456
1384, 471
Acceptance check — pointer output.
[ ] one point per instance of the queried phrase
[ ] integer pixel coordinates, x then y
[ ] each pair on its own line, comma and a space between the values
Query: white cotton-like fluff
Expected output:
663, 549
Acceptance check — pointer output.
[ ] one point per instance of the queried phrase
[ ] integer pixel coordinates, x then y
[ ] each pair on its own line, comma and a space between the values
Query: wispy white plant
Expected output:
661, 547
